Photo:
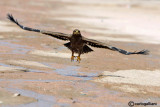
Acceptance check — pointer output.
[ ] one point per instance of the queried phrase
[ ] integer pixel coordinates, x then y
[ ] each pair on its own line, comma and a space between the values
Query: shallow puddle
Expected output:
42, 100
68, 71
17, 49
35, 80
23, 68
5, 65
73, 71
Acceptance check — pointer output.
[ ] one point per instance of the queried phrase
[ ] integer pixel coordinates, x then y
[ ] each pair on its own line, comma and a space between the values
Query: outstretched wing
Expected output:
57, 35
98, 44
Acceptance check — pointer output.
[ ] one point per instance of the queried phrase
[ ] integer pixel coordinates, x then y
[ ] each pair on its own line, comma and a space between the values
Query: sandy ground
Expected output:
38, 67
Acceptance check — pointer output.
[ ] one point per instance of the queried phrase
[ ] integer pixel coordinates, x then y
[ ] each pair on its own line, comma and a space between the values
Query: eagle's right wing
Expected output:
57, 35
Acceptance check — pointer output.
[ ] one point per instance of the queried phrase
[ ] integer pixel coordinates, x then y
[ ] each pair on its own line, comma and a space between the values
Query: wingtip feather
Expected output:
11, 18
144, 52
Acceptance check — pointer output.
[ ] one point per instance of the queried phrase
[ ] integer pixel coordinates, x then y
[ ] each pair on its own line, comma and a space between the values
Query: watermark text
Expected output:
132, 104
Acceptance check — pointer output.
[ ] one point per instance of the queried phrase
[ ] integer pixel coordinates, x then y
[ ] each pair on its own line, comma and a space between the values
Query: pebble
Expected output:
74, 102
82, 93
16, 94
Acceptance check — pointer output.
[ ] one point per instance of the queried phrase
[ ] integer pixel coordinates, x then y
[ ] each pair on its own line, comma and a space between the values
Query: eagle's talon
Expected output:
72, 58
78, 59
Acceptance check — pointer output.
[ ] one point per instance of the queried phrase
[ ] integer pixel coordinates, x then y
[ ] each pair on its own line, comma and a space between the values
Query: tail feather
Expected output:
144, 52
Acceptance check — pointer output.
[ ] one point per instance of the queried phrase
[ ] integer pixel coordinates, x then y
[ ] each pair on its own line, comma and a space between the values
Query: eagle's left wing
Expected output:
98, 44
57, 35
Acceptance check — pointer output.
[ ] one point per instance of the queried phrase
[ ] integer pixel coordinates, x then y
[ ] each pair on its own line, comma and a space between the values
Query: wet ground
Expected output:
36, 71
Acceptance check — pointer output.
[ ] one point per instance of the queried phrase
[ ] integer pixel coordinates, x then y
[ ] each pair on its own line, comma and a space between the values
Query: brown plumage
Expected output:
78, 43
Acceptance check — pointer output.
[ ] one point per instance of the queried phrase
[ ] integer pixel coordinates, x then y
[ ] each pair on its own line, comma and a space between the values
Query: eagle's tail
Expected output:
86, 49
11, 18
144, 52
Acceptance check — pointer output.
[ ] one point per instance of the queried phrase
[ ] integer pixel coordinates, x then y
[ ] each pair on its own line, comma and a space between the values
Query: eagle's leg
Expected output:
78, 57
72, 57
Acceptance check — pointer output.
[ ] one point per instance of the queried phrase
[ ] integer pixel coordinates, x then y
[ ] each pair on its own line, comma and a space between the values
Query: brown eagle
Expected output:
78, 43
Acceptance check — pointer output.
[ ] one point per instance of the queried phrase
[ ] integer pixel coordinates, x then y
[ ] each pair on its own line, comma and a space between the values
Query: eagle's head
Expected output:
76, 32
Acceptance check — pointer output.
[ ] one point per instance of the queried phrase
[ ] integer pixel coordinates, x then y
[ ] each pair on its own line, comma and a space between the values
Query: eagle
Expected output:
77, 43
